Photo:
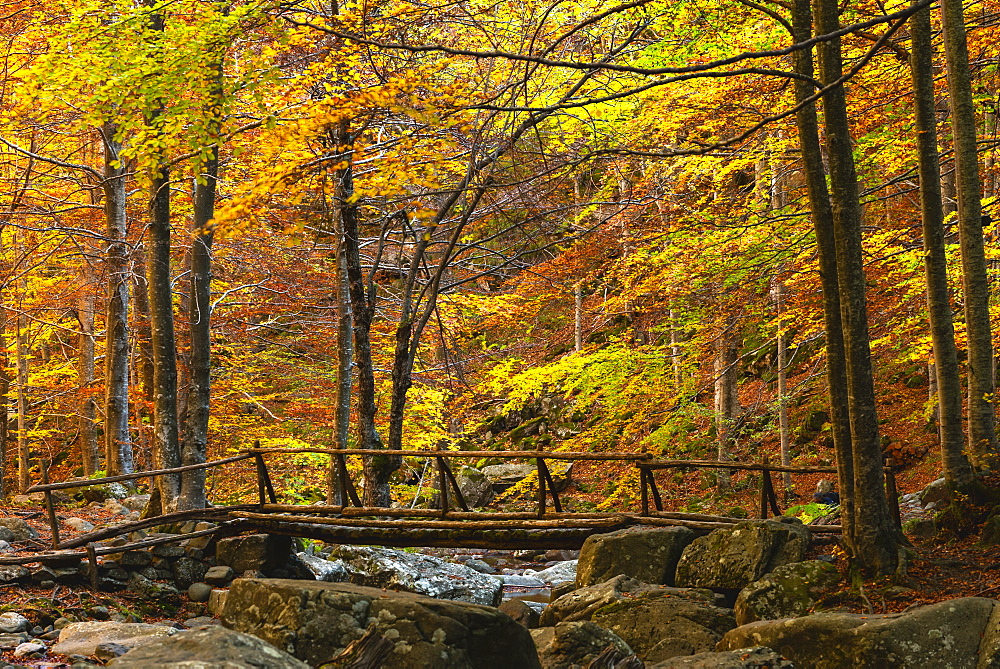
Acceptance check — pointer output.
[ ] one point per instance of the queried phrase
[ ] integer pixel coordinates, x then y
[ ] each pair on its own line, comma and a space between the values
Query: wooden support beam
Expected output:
550, 484
50, 509
459, 497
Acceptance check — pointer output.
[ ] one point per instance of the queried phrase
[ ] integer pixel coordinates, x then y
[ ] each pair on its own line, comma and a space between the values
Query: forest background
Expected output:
568, 225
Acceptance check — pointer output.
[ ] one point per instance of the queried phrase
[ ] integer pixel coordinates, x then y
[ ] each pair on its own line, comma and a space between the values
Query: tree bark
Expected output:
957, 469
23, 448
726, 400
784, 438
117, 439
822, 216
981, 381
874, 532
87, 440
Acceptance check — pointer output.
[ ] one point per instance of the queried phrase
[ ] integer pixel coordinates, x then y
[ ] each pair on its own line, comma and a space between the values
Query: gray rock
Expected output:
789, 591
219, 575
78, 524
324, 570
109, 650
649, 554
315, 621
20, 530
260, 552
733, 558
12, 641
574, 644
521, 581
199, 592
946, 634
744, 658
135, 502
28, 649
936, 491
11, 623
84, 638
13, 573
152, 590
6, 535
186, 571
475, 486
563, 572
480, 566
209, 648
414, 572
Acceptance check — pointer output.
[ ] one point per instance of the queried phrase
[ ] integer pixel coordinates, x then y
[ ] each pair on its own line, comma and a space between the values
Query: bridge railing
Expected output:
651, 502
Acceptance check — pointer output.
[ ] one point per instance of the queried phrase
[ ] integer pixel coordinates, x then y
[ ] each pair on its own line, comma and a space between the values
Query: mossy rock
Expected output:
789, 591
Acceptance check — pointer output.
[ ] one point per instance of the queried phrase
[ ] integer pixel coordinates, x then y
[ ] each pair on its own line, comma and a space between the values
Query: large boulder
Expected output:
256, 552
506, 475
582, 603
211, 647
744, 658
418, 573
574, 644
789, 591
20, 530
733, 558
315, 622
661, 625
649, 554
475, 486
657, 621
954, 633
84, 638
560, 572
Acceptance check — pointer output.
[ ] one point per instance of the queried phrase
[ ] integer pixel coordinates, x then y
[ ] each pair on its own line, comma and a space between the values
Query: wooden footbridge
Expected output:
453, 524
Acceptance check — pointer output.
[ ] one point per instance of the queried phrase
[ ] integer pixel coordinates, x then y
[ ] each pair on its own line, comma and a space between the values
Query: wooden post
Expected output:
550, 484
657, 502
443, 487
539, 463
459, 497
643, 492
92, 564
49, 506
261, 489
772, 498
892, 495
346, 487
763, 495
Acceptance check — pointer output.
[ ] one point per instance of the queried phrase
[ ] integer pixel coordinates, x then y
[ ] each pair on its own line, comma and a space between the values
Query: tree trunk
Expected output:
981, 382
874, 533
784, 438
117, 439
4, 391
822, 216
87, 440
194, 449
23, 448
957, 470
726, 399
343, 189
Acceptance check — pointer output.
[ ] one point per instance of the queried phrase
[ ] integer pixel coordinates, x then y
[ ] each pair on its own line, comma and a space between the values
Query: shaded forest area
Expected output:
735, 230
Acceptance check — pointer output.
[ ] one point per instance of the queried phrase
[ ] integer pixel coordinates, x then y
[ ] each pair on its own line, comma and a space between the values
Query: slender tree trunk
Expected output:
784, 437
981, 382
87, 439
874, 533
343, 189
117, 439
957, 470
23, 447
377, 470
726, 400
578, 316
822, 216
4, 399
